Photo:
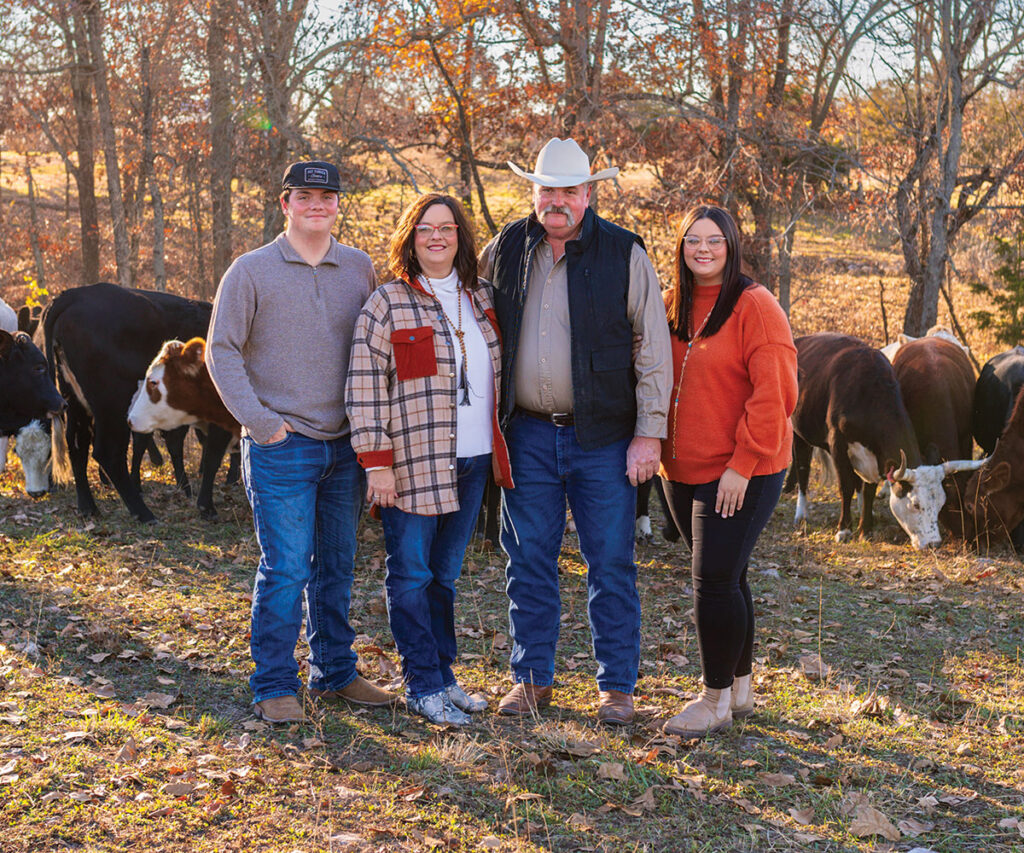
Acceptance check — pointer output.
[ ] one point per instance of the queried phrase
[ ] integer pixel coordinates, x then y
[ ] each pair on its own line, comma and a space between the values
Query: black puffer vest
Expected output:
601, 336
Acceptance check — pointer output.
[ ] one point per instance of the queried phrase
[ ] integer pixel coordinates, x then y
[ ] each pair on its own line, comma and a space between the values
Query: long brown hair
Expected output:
402, 251
733, 281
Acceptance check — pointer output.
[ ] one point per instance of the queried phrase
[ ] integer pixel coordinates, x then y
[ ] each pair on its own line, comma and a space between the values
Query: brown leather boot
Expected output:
616, 708
525, 699
360, 692
705, 715
280, 709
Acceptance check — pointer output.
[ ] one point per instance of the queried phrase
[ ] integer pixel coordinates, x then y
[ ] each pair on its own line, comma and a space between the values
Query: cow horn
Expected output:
901, 472
955, 465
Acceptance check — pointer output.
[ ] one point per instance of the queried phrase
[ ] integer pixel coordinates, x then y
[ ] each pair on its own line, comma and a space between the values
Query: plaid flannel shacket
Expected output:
401, 393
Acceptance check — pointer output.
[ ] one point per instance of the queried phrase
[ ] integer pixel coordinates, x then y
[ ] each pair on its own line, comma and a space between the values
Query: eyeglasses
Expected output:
712, 242
449, 229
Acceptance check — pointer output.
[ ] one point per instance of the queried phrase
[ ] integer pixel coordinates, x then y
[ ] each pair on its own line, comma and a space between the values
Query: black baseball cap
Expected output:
311, 174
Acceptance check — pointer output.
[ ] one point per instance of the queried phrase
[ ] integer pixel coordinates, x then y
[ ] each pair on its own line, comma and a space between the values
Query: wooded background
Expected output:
143, 142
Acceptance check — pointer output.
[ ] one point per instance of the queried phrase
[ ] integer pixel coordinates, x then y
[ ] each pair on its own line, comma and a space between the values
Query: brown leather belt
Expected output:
560, 419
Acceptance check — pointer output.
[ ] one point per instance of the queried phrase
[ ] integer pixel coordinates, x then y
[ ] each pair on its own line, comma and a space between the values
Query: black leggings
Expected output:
721, 548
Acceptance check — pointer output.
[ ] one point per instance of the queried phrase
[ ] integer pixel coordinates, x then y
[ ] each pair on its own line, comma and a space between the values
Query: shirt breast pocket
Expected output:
414, 353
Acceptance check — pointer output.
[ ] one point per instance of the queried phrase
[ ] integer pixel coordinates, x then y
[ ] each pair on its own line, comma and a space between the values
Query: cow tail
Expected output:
829, 475
60, 465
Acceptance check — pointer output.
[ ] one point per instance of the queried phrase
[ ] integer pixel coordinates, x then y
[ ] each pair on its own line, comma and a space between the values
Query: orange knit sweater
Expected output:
737, 393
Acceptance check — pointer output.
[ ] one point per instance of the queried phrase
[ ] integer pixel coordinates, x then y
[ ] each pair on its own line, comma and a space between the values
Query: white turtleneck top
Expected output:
473, 435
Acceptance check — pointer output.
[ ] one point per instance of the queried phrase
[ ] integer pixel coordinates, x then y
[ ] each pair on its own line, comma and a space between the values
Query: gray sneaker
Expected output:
438, 709
463, 701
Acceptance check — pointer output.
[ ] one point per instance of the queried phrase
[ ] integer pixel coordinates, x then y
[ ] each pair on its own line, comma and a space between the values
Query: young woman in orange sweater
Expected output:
728, 447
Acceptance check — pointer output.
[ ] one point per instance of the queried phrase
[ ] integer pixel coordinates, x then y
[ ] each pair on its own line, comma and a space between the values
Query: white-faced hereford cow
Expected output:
99, 342
178, 391
28, 400
850, 405
937, 385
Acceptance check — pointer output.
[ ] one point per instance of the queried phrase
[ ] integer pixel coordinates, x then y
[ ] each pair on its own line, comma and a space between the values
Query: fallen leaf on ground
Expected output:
611, 770
914, 828
868, 821
802, 816
177, 789
157, 700
776, 780
579, 821
813, 667
490, 842
128, 752
414, 792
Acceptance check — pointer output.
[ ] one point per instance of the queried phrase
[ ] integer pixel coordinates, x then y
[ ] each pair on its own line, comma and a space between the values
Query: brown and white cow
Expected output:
177, 391
850, 404
890, 350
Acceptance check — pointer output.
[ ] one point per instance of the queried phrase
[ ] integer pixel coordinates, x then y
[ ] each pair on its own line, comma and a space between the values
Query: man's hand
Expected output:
642, 459
380, 487
280, 434
732, 486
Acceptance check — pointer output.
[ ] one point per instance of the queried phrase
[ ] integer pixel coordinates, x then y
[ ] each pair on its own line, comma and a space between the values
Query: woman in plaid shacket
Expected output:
421, 396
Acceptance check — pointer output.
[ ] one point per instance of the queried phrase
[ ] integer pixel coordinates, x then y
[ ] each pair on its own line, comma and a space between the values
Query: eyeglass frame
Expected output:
420, 229
720, 241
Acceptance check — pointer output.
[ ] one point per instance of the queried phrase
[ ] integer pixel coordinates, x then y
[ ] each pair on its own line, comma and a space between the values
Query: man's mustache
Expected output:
559, 208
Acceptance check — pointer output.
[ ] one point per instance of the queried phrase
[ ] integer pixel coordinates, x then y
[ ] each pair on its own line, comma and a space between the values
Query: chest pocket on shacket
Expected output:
414, 352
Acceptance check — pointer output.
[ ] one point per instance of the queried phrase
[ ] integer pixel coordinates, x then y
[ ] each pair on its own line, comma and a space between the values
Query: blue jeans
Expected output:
424, 559
549, 467
306, 495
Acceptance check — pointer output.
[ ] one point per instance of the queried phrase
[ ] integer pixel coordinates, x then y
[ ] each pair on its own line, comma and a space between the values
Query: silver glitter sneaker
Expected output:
437, 708
463, 701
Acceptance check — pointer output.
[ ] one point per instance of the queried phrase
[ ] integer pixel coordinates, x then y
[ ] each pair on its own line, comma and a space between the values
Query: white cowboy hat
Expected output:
562, 163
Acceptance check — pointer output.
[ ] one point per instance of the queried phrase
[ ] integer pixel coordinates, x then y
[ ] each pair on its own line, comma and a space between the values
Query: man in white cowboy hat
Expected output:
587, 376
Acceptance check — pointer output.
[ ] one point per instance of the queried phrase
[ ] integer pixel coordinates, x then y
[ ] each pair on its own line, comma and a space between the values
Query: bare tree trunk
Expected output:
94, 21
85, 145
149, 171
221, 136
195, 210
37, 253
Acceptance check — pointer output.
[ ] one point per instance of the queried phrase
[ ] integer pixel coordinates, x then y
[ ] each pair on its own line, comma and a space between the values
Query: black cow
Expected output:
997, 387
27, 395
99, 342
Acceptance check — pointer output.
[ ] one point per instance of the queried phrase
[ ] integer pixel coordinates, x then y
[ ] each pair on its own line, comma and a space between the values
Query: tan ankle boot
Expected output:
707, 714
742, 697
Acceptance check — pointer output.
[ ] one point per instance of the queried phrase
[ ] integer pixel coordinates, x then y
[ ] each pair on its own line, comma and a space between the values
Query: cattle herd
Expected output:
107, 367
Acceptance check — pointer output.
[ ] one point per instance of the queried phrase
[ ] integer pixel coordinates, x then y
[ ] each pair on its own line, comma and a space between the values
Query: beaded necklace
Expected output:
682, 367
459, 336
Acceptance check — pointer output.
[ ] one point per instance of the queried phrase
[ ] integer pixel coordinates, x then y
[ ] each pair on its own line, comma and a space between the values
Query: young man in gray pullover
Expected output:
278, 351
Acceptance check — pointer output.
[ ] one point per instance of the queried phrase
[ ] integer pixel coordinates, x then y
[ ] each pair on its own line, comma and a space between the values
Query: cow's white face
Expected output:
149, 410
917, 496
33, 450
915, 502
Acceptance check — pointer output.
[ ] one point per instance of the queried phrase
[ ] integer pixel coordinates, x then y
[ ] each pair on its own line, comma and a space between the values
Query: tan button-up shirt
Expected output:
543, 368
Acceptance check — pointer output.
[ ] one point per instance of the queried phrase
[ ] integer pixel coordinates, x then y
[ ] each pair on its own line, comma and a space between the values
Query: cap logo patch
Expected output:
315, 175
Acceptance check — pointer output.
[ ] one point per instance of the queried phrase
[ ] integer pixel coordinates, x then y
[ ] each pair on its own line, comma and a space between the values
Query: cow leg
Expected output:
78, 433
642, 528
668, 530
110, 449
174, 440
867, 502
800, 471
4, 441
235, 468
847, 486
141, 441
214, 448
488, 518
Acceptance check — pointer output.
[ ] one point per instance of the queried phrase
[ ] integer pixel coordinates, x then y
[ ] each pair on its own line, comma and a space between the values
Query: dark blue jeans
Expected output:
549, 466
424, 559
306, 495
723, 606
